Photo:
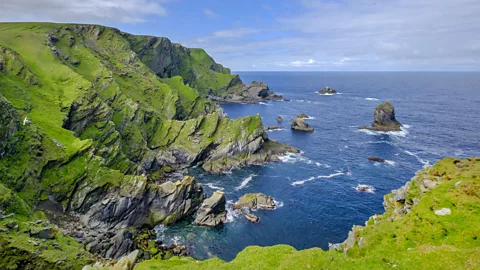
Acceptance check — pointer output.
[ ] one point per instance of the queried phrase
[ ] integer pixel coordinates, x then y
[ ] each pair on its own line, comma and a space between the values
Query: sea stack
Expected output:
212, 212
384, 118
299, 124
327, 91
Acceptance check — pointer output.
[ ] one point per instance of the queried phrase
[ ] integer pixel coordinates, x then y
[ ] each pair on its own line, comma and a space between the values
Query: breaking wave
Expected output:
293, 158
371, 98
301, 182
245, 182
213, 186
425, 163
402, 133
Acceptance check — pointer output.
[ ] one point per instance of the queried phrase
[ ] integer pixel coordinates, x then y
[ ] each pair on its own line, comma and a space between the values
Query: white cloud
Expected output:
236, 33
210, 13
81, 11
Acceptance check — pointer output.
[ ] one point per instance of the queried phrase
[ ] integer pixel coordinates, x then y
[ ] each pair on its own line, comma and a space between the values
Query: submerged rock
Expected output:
279, 119
254, 201
384, 118
327, 91
252, 218
299, 124
376, 159
212, 211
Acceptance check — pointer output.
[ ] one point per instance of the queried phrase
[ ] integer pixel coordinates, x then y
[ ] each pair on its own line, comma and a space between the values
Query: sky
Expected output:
288, 35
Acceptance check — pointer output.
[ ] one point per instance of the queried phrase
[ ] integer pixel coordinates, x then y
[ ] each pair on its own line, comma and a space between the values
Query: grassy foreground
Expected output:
419, 239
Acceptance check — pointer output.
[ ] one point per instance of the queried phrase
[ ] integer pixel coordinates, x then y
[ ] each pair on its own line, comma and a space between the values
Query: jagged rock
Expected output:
212, 211
279, 119
299, 124
327, 91
384, 119
2, 63
336, 247
252, 218
376, 159
399, 194
237, 92
9, 125
303, 116
255, 201
44, 233
13, 225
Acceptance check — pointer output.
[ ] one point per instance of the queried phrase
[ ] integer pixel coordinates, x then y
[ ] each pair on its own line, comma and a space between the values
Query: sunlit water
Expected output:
315, 191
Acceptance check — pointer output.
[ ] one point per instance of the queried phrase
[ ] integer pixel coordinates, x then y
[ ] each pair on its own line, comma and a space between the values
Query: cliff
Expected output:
91, 127
430, 223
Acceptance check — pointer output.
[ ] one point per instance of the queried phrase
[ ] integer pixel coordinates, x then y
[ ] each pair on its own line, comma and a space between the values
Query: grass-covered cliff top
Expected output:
409, 235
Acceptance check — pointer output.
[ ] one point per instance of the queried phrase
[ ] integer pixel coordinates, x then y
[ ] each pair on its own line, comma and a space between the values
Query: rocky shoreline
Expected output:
253, 93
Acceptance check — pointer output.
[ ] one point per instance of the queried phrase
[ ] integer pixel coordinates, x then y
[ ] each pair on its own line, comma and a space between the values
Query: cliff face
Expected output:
90, 113
430, 223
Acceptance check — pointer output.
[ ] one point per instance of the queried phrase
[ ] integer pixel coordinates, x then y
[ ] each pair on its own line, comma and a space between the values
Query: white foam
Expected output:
231, 214
278, 204
371, 98
212, 186
294, 157
263, 103
322, 165
296, 183
327, 94
365, 188
245, 181
425, 163
390, 162
272, 130
402, 133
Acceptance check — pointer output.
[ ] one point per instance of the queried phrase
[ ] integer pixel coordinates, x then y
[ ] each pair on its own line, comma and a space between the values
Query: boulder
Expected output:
252, 218
327, 91
376, 159
299, 124
279, 119
254, 201
443, 212
384, 118
212, 211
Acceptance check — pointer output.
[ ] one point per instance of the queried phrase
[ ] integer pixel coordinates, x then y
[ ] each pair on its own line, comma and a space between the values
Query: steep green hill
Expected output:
90, 127
411, 234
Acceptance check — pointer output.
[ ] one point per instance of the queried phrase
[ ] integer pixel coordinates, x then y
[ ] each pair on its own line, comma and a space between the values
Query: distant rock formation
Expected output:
384, 118
299, 124
237, 92
212, 211
254, 201
327, 91
376, 159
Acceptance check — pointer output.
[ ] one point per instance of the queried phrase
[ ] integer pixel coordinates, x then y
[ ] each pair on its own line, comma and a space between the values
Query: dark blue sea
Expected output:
315, 191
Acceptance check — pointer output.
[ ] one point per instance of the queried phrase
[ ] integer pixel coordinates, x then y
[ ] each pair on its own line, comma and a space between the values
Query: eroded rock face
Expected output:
9, 124
299, 124
254, 201
255, 92
212, 212
252, 218
384, 119
327, 91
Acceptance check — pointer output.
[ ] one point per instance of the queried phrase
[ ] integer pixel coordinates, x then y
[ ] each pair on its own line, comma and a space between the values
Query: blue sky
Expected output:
326, 35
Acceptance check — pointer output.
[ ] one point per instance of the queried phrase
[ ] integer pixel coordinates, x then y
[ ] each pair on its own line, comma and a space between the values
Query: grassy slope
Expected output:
418, 240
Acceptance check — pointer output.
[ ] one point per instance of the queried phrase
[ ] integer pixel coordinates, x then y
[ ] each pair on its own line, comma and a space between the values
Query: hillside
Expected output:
91, 129
413, 233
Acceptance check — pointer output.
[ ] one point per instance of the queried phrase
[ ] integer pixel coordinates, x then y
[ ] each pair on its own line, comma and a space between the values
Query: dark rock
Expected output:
300, 125
376, 159
254, 201
273, 128
2, 63
279, 119
75, 63
44, 233
384, 119
327, 91
252, 218
13, 225
212, 211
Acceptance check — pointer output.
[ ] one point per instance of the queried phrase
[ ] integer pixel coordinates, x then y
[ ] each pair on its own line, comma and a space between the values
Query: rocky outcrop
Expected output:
303, 116
212, 212
254, 201
237, 92
376, 159
299, 124
384, 119
252, 218
327, 91
9, 125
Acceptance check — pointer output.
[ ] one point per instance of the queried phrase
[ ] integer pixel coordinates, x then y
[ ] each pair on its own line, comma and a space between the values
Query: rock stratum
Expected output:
430, 223
93, 122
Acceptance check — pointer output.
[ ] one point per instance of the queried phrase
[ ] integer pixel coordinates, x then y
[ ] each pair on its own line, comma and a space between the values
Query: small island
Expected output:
384, 119
299, 124
327, 91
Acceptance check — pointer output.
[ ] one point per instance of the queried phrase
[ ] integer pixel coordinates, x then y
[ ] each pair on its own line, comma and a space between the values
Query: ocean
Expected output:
315, 191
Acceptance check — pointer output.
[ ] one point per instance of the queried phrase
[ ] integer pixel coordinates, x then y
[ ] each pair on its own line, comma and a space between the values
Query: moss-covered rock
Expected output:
255, 201
384, 118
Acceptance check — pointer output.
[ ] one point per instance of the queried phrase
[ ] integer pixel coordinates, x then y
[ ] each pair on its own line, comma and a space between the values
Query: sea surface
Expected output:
315, 191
